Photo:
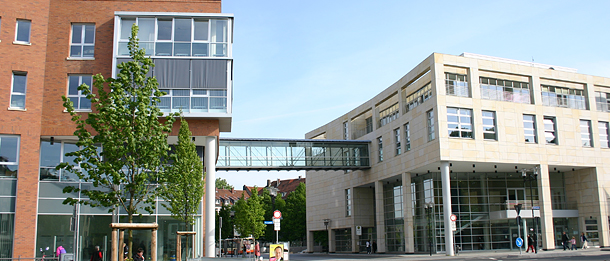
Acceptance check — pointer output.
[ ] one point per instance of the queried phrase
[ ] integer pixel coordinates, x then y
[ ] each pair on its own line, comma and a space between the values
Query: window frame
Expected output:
604, 134
82, 44
24, 93
407, 137
553, 131
79, 94
345, 130
380, 149
486, 126
430, 125
29, 32
459, 124
589, 134
11, 163
535, 134
397, 141
460, 88
348, 202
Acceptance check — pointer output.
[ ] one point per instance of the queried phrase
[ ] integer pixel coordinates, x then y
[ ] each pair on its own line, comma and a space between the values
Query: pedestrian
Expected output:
583, 239
368, 247
125, 250
257, 251
374, 247
564, 240
530, 244
60, 250
573, 243
97, 254
139, 256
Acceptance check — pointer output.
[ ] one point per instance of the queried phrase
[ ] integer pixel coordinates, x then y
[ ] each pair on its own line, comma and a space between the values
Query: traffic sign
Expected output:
453, 226
276, 224
358, 230
519, 242
268, 222
277, 214
453, 217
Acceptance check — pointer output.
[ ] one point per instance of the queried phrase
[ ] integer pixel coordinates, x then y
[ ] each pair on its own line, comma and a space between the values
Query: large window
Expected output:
345, 131
79, 100
407, 137
505, 90
196, 37
459, 123
418, 97
397, 141
563, 97
51, 155
489, 125
18, 90
603, 134
83, 40
369, 124
23, 31
9, 156
457, 84
550, 130
348, 202
585, 133
602, 101
380, 149
430, 124
193, 100
529, 128
388, 115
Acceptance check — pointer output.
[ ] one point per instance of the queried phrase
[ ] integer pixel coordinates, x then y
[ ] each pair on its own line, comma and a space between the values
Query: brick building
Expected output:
47, 48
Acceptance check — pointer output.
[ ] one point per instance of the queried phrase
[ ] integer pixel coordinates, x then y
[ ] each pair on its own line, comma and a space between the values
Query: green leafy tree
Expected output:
126, 125
222, 184
249, 216
227, 222
270, 205
183, 181
295, 217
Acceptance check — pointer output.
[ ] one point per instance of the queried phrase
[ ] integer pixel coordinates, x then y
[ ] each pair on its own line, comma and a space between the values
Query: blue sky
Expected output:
300, 64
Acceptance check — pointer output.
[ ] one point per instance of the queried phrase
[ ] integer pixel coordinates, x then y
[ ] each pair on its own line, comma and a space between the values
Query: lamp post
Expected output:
326, 222
531, 178
429, 208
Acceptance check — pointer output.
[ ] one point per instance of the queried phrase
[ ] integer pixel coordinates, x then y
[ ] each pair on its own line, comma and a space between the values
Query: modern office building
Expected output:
471, 136
47, 49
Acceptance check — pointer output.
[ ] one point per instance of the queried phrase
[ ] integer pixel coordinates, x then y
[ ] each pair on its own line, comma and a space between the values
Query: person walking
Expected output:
257, 250
564, 241
530, 244
583, 239
573, 244
139, 256
97, 254
368, 247
60, 250
374, 247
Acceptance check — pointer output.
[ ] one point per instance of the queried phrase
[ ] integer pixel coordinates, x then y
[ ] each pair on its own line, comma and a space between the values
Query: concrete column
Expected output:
380, 224
210, 193
354, 236
407, 198
546, 209
331, 240
447, 208
310, 241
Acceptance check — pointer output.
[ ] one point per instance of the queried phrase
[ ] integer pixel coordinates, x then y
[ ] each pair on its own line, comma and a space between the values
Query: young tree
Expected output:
126, 125
249, 216
222, 184
227, 221
183, 182
296, 214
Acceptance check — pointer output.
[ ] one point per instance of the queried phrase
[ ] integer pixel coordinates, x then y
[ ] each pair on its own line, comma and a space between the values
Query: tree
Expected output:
296, 214
183, 180
270, 205
227, 221
222, 184
126, 125
249, 216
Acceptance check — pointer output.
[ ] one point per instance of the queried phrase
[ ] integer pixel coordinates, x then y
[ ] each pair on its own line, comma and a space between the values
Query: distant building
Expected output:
284, 187
229, 197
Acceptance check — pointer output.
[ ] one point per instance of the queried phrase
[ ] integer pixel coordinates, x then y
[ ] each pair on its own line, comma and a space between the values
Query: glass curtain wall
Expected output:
343, 240
394, 216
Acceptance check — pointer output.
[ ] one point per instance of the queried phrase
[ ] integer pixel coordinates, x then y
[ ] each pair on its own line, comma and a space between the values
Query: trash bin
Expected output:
172, 258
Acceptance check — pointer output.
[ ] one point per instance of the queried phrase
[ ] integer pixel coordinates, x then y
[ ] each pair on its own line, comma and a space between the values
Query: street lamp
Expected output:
429, 206
326, 222
531, 178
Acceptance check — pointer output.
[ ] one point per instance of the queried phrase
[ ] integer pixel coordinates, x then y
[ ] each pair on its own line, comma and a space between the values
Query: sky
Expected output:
301, 64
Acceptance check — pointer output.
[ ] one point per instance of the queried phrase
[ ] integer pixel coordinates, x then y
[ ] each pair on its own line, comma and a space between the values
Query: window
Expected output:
585, 133
23, 31
345, 131
18, 90
193, 100
418, 97
550, 130
194, 37
603, 134
369, 124
380, 149
388, 115
54, 153
505, 90
489, 125
397, 141
430, 124
529, 128
83, 40
348, 202
602, 101
563, 97
459, 123
9, 156
79, 100
407, 137
457, 84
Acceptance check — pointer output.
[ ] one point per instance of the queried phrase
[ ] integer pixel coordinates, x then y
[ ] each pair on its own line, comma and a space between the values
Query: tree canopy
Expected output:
222, 184
249, 216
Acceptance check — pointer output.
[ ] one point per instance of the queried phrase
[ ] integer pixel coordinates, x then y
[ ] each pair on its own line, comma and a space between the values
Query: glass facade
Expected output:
457, 85
505, 90
563, 97
343, 240
394, 217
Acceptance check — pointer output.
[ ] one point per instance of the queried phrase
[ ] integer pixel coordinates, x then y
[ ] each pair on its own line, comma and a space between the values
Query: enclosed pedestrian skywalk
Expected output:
292, 154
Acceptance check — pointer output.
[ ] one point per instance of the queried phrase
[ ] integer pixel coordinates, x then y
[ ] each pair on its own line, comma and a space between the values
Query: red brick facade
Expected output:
47, 69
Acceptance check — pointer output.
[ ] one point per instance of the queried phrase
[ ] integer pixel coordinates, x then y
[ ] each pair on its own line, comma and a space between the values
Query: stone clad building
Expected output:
471, 136
47, 49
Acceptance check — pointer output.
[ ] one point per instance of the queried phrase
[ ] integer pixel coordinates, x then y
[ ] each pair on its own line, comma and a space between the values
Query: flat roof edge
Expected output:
518, 62
130, 13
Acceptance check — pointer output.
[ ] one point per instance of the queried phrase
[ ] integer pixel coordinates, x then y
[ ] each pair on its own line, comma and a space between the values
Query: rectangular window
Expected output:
9, 156
348, 202
397, 141
18, 90
345, 131
83, 40
489, 125
380, 149
407, 137
505, 90
369, 124
602, 101
388, 115
529, 128
54, 153
457, 85
420, 96
193, 100
603, 134
430, 124
79, 100
459, 123
585, 133
22, 32
550, 130
563, 97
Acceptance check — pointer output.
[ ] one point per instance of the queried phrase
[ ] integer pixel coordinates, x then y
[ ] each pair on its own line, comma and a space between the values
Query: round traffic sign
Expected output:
453, 217
519, 242
277, 214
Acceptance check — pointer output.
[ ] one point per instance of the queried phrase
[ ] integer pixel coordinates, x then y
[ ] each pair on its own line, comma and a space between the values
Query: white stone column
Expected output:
355, 238
331, 240
310, 242
407, 199
210, 193
546, 209
447, 208
380, 224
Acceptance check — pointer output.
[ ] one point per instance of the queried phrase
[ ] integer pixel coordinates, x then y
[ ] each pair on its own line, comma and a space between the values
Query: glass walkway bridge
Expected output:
292, 154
